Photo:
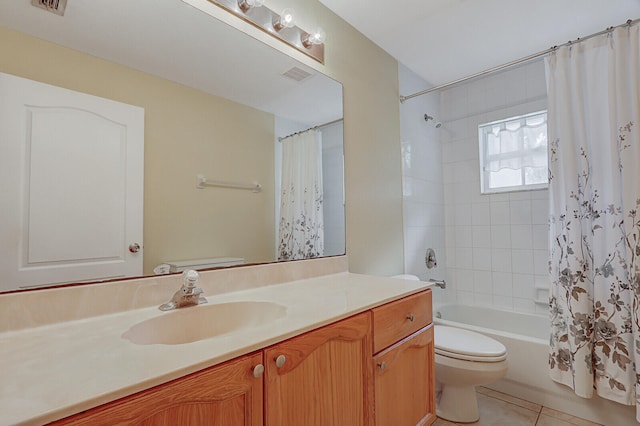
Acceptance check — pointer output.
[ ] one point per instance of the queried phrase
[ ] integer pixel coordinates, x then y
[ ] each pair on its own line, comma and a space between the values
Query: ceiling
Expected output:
175, 41
443, 40
440, 40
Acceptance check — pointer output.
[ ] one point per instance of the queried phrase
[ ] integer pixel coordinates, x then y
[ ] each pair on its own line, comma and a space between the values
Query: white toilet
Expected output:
464, 360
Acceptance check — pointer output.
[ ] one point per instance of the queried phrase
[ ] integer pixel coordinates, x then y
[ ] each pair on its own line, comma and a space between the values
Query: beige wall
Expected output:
373, 174
186, 132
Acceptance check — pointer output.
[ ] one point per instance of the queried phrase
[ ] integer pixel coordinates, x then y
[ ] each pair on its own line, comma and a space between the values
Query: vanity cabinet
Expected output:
224, 395
375, 367
323, 377
404, 362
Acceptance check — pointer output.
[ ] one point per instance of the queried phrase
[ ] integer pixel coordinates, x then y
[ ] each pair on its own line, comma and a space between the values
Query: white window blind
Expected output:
513, 153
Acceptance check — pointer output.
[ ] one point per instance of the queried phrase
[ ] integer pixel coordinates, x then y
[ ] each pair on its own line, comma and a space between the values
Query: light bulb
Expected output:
246, 5
316, 37
286, 20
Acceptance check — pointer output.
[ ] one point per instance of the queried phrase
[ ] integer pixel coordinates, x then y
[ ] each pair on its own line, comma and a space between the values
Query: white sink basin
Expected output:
187, 325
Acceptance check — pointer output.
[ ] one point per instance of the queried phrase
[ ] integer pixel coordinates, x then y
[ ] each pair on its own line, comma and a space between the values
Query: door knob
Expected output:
134, 248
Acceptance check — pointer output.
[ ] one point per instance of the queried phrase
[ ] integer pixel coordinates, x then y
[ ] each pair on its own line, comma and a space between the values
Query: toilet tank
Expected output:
198, 264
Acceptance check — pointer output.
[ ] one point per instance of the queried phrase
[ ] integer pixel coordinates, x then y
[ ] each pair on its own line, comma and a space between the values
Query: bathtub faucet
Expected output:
438, 283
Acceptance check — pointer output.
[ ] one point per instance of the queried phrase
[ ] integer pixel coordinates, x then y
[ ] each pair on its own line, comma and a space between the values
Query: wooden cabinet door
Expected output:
326, 378
405, 382
225, 395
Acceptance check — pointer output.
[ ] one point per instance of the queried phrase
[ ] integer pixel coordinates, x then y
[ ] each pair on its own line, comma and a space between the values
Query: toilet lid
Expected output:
467, 345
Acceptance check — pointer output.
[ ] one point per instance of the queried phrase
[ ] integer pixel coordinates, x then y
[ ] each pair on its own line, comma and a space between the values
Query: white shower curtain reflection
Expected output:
301, 226
594, 188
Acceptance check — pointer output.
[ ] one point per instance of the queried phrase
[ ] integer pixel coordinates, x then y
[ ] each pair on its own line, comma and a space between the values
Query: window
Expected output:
513, 153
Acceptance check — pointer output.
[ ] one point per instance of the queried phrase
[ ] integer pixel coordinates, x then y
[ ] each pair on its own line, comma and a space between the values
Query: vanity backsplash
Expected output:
26, 309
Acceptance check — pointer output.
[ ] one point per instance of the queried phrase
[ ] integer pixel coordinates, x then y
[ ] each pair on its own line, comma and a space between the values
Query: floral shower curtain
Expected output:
301, 233
594, 170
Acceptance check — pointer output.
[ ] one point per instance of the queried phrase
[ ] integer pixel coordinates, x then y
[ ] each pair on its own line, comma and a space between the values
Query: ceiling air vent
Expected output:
53, 6
297, 74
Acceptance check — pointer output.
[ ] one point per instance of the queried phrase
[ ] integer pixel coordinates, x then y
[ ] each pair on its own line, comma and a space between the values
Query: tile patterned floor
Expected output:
499, 409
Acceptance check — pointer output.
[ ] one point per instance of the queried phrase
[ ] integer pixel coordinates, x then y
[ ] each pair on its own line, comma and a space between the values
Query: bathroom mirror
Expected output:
215, 102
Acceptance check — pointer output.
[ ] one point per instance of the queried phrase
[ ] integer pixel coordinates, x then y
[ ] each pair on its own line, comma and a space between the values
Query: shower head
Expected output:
427, 117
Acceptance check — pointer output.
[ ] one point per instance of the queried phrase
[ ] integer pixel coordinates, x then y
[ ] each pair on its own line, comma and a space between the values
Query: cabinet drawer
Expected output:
396, 320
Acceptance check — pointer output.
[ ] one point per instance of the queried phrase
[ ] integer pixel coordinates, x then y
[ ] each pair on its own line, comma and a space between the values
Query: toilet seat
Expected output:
467, 345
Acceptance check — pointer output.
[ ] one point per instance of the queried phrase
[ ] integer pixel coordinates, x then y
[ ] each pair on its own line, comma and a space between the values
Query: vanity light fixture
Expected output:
246, 5
279, 25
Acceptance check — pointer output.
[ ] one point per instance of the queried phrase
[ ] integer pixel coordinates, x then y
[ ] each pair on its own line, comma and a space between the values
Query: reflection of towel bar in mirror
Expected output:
203, 182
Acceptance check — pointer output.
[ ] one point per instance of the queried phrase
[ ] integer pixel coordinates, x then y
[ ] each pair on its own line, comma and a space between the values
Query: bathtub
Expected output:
526, 337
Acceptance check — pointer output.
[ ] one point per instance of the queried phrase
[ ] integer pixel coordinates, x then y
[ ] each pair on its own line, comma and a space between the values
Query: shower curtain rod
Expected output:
517, 61
280, 139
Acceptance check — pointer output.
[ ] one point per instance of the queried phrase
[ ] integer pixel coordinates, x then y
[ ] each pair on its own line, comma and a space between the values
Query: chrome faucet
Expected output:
188, 294
438, 283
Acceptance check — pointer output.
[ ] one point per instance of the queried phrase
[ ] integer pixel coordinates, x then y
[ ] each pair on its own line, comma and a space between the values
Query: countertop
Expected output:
53, 371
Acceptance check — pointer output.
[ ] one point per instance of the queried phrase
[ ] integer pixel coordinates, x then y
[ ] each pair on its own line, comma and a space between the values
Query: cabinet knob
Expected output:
280, 360
258, 370
410, 317
382, 365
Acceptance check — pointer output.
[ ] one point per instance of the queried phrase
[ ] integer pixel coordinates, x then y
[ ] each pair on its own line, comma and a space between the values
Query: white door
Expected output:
71, 185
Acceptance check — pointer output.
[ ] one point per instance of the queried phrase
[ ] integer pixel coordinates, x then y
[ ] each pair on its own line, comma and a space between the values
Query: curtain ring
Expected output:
610, 31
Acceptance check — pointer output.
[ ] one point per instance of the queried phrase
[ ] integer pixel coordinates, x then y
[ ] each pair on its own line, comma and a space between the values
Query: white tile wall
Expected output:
424, 188
482, 282
524, 286
522, 261
501, 236
500, 213
521, 236
520, 211
491, 248
481, 259
496, 245
481, 214
481, 237
501, 260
